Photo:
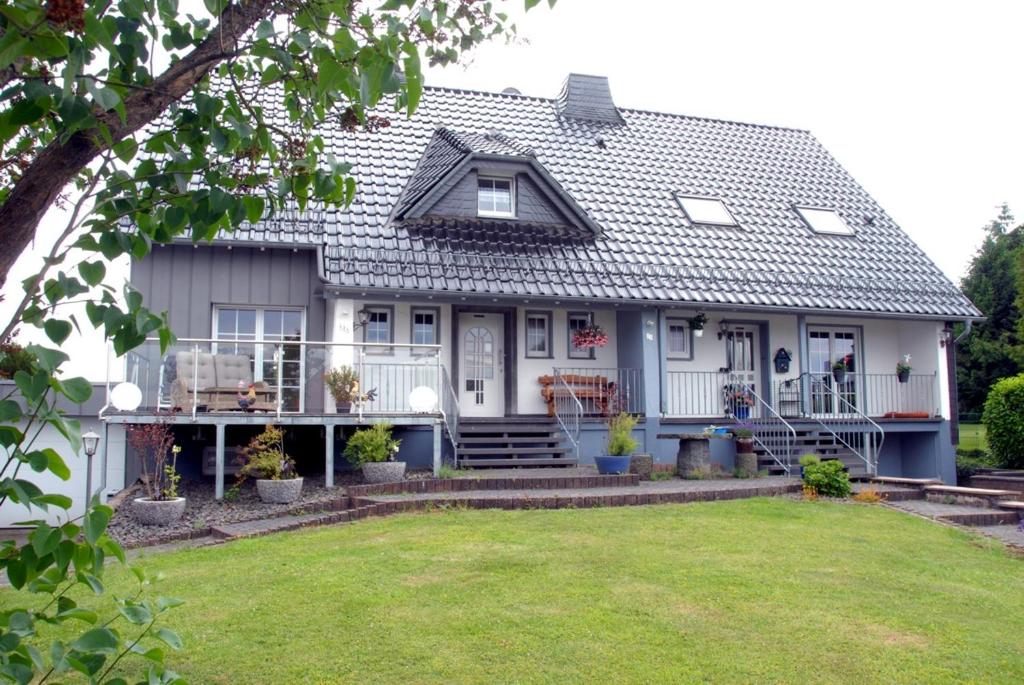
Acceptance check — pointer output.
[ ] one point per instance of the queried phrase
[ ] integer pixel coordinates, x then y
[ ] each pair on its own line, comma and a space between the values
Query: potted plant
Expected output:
343, 382
744, 438
903, 369
697, 323
839, 371
620, 445
373, 449
265, 460
738, 401
161, 505
589, 336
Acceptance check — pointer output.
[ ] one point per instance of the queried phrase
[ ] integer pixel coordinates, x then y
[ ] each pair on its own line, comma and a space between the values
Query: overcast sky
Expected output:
920, 101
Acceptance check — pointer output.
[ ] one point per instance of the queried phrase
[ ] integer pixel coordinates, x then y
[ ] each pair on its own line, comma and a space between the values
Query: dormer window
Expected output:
706, 210
495, 197
824, 221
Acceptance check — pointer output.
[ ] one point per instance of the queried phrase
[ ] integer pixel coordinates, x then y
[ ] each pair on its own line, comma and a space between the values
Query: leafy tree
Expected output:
146, 124
995, 283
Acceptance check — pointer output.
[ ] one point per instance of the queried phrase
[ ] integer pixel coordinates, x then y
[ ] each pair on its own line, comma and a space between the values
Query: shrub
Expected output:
15, 358
152, 442
1004, 422
264, 457
825, 478
620, 435
969, 462
868, 496
371, 444
662, 475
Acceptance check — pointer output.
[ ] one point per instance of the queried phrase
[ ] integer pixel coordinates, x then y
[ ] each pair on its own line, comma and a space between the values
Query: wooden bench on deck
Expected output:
593, 389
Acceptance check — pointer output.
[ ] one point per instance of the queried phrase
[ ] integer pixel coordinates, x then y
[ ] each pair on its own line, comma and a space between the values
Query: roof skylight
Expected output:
703, 210
824, 221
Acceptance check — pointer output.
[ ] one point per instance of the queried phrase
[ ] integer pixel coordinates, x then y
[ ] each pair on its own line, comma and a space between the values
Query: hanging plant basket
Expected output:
589, 336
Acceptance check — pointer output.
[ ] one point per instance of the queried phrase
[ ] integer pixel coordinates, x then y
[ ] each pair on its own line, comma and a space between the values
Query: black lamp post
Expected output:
90, 441
362, 318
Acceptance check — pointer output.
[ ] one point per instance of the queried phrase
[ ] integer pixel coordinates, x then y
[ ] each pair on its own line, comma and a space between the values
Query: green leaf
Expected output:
94, 583
55, 463
79, 614
168, 637
106, 98
92, 272
95, 524
16, 573
77, 389
32, 387
48, 359
97, 641
57, 330
10, 411
61, 501
136, 614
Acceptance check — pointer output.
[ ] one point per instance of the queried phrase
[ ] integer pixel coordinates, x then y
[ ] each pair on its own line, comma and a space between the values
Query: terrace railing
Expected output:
887, 397
710, 394
287, 377
450, 410
606, 391
872, 394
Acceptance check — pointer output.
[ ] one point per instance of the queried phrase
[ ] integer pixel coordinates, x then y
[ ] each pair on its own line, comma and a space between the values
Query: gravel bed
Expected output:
203, 511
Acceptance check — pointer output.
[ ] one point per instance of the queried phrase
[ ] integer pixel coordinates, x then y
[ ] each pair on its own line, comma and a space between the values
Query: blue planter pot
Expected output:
609, 465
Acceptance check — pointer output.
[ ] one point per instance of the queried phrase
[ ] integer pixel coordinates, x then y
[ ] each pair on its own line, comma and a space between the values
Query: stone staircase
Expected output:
995, 512
509, 443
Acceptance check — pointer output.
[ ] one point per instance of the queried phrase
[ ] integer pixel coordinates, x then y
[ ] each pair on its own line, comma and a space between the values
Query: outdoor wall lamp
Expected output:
723, 328
362, 318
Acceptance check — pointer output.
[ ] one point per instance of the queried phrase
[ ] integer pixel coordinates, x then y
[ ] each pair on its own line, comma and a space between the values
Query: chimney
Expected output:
588, 98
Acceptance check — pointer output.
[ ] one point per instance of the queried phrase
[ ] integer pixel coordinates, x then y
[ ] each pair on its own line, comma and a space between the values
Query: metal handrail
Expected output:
859, 423
450, 411
568, 410
773, 433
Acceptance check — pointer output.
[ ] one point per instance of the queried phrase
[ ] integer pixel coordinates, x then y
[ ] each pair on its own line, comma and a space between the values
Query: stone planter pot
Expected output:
642, 465
608, 464
746, 463
383, 471
279, 491
744, 445
150, 512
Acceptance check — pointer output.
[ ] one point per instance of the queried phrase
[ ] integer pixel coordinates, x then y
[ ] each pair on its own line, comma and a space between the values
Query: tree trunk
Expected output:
57, 165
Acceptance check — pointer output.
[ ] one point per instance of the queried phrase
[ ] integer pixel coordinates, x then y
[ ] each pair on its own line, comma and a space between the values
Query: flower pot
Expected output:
157, 512
839, 375
742, 412
343, 407
903, 376
279, 491
744, 445
642, 465
383, 471
608, 464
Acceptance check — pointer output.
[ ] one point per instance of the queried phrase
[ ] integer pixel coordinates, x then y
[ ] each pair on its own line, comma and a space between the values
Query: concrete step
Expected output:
507, 429
498, 451
1012, 505
511, 440
990, 517
896, 480
477, 462
969, 492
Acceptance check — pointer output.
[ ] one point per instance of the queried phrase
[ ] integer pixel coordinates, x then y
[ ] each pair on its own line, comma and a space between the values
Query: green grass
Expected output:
764, 590
972, 437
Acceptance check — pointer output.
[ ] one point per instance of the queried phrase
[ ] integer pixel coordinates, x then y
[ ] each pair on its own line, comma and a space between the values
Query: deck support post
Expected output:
437, 448
329, 455
219, 486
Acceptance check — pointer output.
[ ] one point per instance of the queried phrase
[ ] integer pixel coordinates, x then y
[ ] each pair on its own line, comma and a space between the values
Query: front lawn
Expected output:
972, 437
747, 591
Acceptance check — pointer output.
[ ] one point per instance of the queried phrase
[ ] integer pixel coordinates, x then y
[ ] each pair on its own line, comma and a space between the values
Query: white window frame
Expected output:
390, 311
681, 199
547, 353
512, 196
260, 342
802, 210
685, 354
434, 312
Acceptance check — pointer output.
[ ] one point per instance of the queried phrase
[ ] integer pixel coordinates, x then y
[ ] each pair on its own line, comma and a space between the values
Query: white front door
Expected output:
481, 364
741, 356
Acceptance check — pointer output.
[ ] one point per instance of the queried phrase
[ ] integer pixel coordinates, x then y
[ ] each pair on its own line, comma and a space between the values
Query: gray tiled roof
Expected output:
624, 176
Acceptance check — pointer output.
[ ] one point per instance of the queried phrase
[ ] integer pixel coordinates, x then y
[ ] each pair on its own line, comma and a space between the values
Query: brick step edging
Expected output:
408, 487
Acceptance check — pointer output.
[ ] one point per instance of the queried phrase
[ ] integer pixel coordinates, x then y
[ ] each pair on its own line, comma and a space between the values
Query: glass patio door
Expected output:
833, 392
248, 325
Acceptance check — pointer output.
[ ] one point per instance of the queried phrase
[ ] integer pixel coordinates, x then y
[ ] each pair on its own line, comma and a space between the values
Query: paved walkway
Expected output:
694, 490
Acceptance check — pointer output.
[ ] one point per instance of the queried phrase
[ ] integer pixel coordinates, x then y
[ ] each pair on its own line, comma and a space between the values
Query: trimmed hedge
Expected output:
1004, 422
